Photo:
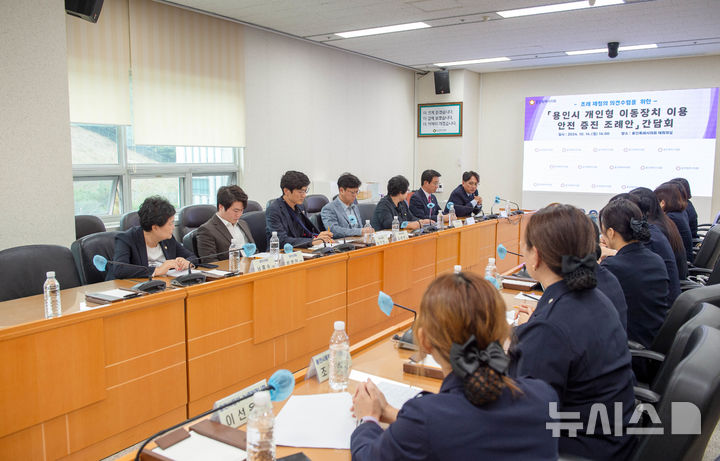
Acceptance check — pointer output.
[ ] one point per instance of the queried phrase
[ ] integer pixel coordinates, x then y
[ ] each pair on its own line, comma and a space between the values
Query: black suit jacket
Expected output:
292, 226
461, 200
419, 208
130, 249
213, 237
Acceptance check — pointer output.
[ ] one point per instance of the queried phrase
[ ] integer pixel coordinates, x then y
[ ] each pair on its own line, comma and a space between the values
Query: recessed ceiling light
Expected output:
556, 8
383, 30
473, 61
604, 50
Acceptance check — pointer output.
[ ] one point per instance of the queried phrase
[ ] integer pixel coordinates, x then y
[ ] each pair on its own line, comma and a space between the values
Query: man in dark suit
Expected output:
429, 181
216, 234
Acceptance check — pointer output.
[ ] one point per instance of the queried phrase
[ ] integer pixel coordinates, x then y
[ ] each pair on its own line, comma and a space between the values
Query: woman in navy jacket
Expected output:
465, 197
479, 412
151, 244
671, 201
574, 339
641, 272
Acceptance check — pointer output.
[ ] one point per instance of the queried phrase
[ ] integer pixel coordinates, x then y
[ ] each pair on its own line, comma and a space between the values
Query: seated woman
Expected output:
394, 204
641, 272
479, 412
465, 197
574, 339
671, 201
690, 208
151, 244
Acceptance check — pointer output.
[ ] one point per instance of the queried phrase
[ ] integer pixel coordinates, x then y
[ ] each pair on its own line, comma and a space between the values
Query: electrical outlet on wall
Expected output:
440, 188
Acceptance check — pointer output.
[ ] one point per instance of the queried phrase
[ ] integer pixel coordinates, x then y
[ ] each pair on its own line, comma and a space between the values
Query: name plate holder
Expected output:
382, 239
402, 235
237, 414
457, 223
469, 220
319, 366
263, 264
291, 258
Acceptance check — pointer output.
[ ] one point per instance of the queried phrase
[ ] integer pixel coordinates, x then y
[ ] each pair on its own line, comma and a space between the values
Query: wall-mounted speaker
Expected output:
442, 82
88, 10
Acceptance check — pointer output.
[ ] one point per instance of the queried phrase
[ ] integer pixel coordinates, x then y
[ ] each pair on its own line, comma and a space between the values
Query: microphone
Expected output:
386, 304
344, 246
280, 385
151, 286
502, 252
497, 201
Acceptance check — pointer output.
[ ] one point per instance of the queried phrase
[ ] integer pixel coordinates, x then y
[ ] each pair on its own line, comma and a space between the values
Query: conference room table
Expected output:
98, 379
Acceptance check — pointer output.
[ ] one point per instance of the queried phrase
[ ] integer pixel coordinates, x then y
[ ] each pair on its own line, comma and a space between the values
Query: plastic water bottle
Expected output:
457, 269
440, 224
395, 225
234, 256
260, 429
339, 358
51, 289
451, 215
491, 274
275, 247
368, 237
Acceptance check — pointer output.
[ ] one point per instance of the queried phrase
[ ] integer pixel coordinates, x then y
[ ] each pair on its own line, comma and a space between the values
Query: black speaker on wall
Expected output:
442, 81
88, 10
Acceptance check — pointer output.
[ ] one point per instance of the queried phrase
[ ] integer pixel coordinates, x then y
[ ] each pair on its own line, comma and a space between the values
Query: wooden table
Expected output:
94, 381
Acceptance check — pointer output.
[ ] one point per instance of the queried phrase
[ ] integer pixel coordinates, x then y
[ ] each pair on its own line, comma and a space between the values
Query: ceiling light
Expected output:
604, 50
383, 30
556, 8
473, 61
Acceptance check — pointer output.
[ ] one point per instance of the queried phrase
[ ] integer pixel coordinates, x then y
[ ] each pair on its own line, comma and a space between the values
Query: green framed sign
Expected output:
441, 119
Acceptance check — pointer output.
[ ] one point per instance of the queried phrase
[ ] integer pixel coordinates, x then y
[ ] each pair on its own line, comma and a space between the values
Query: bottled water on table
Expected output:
275, 247
368, 236
234, 256
492, 275
451, 215
440, 223
260, 429
51, 289
395, 227
339, 358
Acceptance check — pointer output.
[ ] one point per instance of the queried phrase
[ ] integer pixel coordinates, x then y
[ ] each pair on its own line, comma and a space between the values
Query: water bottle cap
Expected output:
339, 325
261, 398
274, 234
367, 222
491, 260
457, 269
50, 274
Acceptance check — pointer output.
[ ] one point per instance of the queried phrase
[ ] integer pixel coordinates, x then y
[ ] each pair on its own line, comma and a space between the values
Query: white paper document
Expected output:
395, 393
119, 293
177, 273
200, 447
527, 297
316, 421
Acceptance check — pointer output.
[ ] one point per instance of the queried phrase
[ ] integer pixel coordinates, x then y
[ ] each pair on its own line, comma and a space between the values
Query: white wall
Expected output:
503, 95
36, 173
322, 112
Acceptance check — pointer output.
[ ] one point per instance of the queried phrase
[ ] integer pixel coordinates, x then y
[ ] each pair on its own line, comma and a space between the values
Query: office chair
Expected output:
23, 269
709, 250
191, 217
313, 203
252, 205
129, 219
190, 241
256, 221
695, 380
83, 251
316, 219
366, 211
86, 224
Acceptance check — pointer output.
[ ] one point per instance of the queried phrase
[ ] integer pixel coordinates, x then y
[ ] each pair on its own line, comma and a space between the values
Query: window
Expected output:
112, 175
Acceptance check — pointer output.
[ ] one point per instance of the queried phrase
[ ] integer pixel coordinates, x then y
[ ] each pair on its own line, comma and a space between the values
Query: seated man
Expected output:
215, 235
419, 201
286, 215
465, 196
393, 204
342, 216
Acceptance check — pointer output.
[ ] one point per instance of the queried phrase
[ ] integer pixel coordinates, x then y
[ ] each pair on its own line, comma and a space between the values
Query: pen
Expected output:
534, 298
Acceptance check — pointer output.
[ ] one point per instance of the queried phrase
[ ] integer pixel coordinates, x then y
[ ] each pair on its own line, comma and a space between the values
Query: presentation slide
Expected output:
612, 143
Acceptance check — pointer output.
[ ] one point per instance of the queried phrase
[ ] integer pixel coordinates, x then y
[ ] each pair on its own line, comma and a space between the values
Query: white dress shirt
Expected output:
234, 230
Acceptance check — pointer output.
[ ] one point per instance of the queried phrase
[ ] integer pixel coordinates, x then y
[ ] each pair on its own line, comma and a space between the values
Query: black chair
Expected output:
23, 269
252, 205
313, 203
256, 221
366, 211
316, 219
696, 381
191, 217
190, 241
85, 249
86, 224
708, 253
129, 219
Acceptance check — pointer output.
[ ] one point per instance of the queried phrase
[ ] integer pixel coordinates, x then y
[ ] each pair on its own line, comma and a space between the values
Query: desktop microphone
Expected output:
345, 246
151, 286
498, 199
386, 304
280, 385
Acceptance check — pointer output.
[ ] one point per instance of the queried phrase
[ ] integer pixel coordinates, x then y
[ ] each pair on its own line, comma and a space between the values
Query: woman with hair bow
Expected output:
641, 273
574, 340
479, 412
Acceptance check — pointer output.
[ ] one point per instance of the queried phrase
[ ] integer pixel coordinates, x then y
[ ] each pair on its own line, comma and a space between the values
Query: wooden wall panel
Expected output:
278, 304
397, 267
448, 251
221, 308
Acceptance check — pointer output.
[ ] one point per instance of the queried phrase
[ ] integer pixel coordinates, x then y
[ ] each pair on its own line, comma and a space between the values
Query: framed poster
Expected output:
442, 119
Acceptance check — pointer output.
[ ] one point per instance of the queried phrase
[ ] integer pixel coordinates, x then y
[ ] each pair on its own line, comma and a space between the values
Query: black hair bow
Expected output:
467, 358
571, 263
637, 225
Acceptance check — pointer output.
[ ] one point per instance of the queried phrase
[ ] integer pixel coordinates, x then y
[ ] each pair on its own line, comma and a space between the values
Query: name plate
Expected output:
319, 366
237, 414
292, 258
402, 235
382, 239
469, 220
263, 264
457, 223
